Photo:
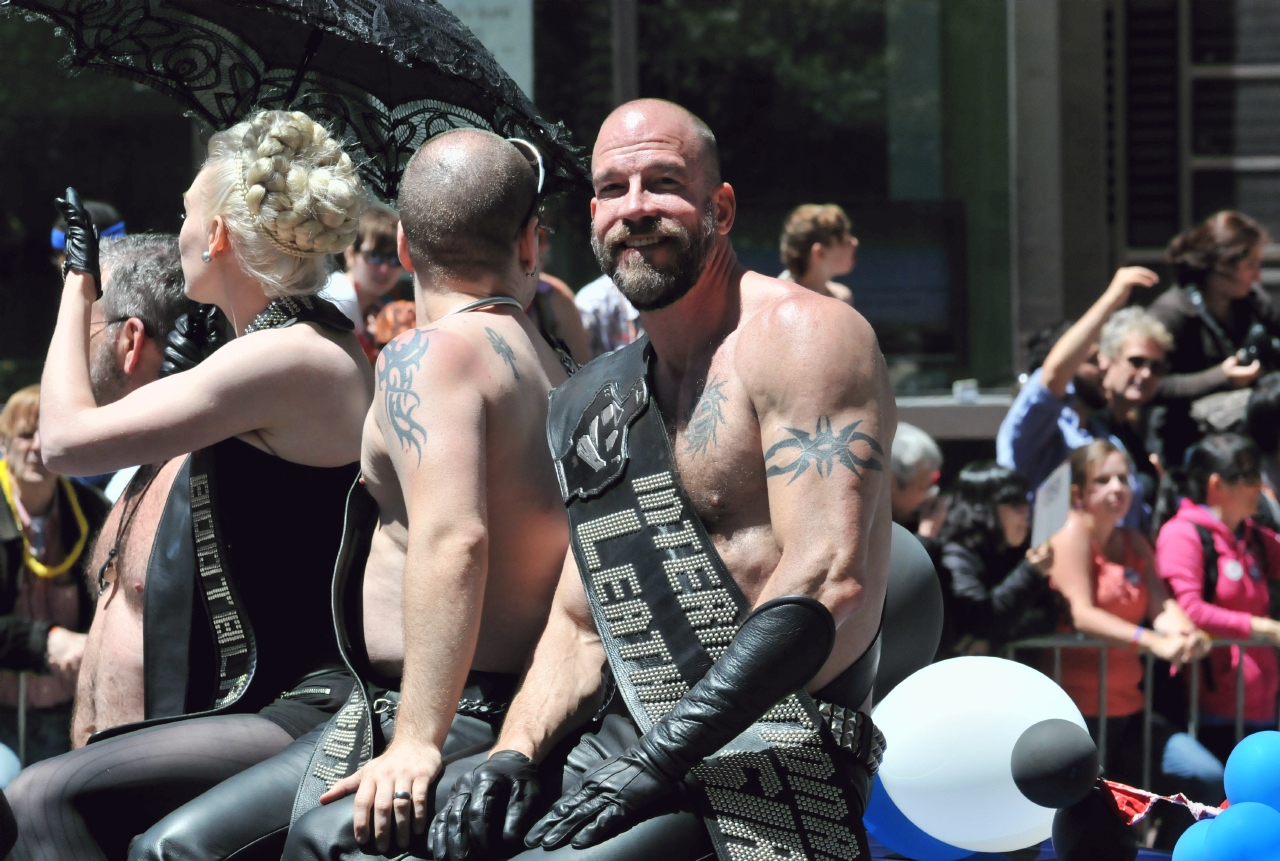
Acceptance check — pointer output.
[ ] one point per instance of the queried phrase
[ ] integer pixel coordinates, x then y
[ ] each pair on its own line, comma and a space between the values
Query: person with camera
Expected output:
1225, 326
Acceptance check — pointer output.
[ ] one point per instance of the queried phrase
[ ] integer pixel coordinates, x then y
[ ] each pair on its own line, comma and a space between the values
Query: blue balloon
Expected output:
1191, 844
1253, 770
885, 822
1248, 831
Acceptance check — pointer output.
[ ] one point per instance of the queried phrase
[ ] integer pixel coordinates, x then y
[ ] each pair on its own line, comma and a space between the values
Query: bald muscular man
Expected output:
730, 522
454, 541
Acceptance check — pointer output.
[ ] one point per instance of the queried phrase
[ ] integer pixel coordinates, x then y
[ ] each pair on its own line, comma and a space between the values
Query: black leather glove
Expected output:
82, 238
777, 651
489, 807
195, 336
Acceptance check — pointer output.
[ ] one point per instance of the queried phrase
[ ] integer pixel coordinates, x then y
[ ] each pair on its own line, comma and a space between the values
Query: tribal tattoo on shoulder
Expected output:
503, 349
707, 417
398, 364
822, 450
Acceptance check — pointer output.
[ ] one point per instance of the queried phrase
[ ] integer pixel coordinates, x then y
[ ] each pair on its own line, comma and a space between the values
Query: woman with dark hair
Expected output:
1107, 573
1218, 300
1217, 562
996, 590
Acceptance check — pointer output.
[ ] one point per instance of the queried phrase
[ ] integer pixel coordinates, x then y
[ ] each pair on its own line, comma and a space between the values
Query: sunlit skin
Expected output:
778, 357
1092, 525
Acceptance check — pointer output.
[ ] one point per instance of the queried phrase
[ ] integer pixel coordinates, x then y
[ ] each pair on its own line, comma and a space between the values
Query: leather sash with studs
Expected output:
666, 608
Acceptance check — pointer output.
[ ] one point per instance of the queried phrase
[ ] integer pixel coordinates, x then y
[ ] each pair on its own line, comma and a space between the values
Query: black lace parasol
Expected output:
384, 75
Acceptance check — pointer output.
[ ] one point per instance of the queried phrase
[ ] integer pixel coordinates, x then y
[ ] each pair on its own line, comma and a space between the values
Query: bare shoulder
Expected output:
427, 356
793, 337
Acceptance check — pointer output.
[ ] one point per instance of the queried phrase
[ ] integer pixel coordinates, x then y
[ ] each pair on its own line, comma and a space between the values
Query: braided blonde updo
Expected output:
289, 195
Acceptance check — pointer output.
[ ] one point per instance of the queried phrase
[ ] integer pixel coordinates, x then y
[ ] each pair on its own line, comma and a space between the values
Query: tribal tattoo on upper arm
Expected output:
398, 364
503, 349
823, 449
707, 416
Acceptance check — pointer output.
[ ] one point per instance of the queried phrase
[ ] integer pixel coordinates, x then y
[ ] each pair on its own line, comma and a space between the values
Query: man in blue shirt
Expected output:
1087, 390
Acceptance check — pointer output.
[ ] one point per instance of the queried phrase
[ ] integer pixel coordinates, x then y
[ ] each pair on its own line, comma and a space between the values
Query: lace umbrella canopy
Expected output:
384, 75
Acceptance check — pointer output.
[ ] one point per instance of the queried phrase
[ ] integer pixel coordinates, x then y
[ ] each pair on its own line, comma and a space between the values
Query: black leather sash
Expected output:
189, 557
666, 608
167, 603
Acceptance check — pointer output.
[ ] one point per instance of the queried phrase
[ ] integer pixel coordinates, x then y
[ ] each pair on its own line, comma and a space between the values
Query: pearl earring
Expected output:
206, 256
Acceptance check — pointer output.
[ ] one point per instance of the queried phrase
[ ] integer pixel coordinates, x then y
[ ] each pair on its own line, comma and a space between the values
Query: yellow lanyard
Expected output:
37, 567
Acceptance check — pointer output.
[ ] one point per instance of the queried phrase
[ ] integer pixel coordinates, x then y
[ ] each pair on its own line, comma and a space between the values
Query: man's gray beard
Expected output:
649, 288
106, 378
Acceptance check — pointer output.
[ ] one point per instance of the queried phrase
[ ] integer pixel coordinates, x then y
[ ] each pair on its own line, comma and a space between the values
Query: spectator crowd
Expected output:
1167, 418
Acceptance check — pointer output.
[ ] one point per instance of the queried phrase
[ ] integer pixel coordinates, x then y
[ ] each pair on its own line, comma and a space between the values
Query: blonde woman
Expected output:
273, 419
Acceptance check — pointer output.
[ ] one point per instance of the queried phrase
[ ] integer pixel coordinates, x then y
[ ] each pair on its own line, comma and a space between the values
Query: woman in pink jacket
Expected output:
1212, 524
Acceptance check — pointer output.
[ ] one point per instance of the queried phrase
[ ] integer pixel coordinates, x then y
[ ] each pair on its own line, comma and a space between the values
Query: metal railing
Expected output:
1057, 642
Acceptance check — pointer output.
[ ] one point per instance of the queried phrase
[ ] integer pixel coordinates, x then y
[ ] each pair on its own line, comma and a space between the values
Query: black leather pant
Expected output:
327, 833
245, 818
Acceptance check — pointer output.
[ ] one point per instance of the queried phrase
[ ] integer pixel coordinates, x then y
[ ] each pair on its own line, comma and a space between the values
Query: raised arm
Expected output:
433, 422
1074, 345
258, 383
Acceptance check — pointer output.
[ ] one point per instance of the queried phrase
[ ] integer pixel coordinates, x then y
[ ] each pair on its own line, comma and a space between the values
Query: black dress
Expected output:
281, 524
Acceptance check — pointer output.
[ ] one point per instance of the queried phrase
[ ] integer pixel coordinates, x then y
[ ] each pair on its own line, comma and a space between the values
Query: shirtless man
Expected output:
778, 407
141, 300
470, 533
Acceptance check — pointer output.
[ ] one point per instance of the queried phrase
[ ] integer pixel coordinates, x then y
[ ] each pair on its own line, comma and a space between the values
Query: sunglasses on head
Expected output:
534, 157
1159, 367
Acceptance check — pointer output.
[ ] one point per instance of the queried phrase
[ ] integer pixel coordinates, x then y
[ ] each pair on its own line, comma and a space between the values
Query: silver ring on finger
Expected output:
401, 795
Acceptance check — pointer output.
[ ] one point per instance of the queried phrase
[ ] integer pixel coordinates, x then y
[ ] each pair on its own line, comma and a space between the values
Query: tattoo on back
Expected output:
398, 363
707, 416
503, 349
822, 449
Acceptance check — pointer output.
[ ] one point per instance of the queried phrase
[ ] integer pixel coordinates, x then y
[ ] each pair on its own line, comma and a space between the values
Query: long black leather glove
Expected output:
82, 238
195, 336
777, 651
490, 806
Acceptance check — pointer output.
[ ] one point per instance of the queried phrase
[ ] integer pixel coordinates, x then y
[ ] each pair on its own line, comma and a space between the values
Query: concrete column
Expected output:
913, 84
1035, 164
1087, 252
626, 71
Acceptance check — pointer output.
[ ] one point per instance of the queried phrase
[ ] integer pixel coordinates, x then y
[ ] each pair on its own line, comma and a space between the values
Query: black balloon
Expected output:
1054, 763
912, 623
1092, 830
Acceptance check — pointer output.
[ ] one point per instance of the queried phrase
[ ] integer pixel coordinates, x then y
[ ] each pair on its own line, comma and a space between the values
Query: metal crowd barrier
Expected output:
1057, 642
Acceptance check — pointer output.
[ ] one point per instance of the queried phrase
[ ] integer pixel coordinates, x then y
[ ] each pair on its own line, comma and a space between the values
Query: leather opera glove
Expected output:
82, 238
195, 336
777, 651
488, 808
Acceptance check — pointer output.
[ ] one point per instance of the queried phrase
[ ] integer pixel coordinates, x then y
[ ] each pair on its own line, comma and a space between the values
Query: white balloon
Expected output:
950, 729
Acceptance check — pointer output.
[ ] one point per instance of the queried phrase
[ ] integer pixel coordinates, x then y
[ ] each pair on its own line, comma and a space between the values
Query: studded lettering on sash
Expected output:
789, 800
